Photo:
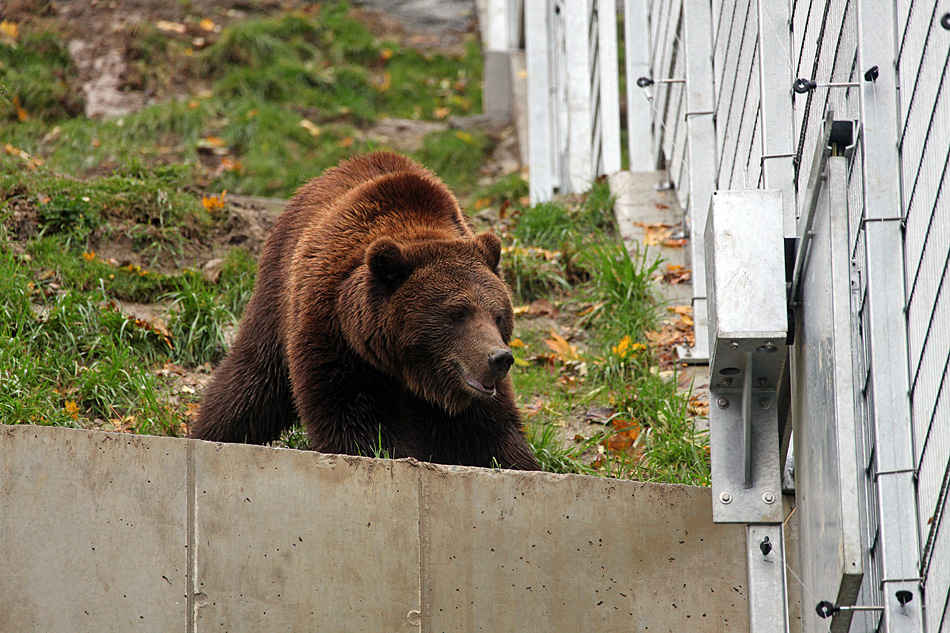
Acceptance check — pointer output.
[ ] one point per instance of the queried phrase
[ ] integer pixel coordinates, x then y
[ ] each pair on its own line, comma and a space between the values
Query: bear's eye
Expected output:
498, 320
457, 316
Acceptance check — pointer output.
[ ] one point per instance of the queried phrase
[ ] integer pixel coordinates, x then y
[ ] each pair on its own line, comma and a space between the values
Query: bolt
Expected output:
723, 403
765, 403
735, 345
763, 381
768, 497
727, 382
725, 498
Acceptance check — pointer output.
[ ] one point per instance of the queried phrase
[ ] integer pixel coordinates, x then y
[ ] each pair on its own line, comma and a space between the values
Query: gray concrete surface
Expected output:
104, 532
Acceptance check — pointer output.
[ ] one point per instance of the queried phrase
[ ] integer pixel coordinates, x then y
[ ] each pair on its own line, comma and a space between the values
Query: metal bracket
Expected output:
748, 324
645, 82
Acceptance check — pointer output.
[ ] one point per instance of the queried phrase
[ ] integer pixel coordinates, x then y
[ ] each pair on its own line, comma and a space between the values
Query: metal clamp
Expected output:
827, 609
803, 86
644, 82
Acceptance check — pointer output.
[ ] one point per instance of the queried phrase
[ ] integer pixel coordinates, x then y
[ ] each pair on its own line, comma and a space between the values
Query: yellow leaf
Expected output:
621, 348
560, 346
214, 203
207, 24
520, 362
21, 114
311, 127
346, 142
516, 342
386, 54
9, 30
72, 409
464, 136
441, 113
89, 256
386, 82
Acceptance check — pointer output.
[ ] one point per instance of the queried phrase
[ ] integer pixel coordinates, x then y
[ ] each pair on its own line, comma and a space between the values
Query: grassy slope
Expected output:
70, 357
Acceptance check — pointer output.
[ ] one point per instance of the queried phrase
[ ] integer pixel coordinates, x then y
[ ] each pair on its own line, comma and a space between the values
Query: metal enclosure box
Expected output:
745, 271
748, 321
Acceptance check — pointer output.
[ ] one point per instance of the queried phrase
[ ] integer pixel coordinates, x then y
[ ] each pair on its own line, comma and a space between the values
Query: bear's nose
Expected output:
500, 361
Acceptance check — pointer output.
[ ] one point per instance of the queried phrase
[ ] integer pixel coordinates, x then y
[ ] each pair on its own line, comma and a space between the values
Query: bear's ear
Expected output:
490, 246
387, 262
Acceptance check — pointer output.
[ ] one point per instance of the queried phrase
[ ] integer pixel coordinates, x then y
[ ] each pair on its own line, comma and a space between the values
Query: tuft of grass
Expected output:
199, 321
35, 74
456, 156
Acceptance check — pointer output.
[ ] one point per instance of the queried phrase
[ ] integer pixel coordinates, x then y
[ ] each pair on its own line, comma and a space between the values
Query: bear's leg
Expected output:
249, 397
487, 434
352, 412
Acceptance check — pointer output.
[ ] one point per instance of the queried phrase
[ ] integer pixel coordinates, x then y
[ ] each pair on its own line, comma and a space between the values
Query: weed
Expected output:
198, 321
456, 156
35, 73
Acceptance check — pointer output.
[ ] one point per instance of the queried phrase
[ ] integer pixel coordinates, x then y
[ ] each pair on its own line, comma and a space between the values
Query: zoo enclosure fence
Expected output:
842, 107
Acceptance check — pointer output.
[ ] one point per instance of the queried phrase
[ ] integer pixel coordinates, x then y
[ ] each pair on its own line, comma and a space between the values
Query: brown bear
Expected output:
381, 321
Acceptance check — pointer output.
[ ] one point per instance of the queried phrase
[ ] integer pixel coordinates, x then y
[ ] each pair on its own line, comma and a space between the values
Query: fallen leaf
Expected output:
72, 409
9, 31
542, 307
89, 256
560, 346
214, 203
441, 113
21, 114
207, 24
171, 27
311, 127
600, 415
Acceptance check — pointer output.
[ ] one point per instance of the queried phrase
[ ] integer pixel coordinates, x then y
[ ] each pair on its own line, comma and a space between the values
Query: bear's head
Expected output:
436, 315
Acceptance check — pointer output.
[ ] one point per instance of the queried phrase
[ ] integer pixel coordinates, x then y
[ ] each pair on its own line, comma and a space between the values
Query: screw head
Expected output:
768, 497
723, 403
765, 403
725, 498
735, 345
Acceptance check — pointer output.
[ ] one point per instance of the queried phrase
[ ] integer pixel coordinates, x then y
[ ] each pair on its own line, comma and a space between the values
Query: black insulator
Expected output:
801, 86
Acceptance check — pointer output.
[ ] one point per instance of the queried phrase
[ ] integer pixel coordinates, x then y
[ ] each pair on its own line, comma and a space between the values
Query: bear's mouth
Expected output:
482, 387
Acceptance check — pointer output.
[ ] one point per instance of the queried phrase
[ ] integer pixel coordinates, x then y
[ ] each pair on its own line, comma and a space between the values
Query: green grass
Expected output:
271, 102
578, 257
255, 88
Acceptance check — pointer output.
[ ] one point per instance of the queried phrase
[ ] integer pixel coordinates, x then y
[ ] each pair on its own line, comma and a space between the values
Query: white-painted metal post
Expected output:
701, 139
887, 349
639, 110
542, 139
607, 63
580, 122
775, 83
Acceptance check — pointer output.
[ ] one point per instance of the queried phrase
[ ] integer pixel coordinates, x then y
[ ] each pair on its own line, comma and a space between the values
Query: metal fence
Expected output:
859, 149
571, 58
842, 106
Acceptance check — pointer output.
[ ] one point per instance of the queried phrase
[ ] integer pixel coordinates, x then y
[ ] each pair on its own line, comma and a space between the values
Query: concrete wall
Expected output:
106, 532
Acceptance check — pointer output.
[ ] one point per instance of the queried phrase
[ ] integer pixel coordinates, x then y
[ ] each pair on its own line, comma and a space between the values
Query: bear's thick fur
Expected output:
380, 320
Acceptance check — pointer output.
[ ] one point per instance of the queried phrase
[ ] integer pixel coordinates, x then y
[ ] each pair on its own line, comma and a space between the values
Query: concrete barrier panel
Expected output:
92, 531
290, 540
570, 553
104, 532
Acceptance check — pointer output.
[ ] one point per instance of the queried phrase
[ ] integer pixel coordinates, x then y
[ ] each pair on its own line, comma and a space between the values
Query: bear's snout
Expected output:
500, 361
